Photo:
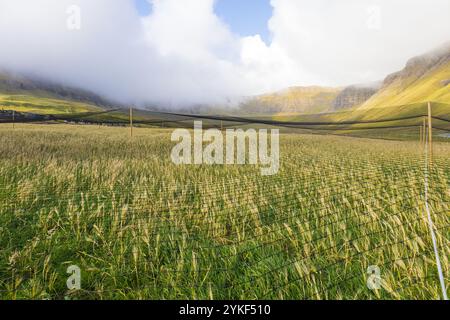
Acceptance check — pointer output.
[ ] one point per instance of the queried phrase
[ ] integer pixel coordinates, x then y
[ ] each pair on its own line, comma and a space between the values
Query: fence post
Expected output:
430, 132
424, 130
420, 133
131, 122
14, 119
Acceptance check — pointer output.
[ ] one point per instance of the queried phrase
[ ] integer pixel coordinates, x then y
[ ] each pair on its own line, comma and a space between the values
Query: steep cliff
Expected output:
353, 96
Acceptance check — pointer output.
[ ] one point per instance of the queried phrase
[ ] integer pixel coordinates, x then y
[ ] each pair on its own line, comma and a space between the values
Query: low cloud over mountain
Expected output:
182, 54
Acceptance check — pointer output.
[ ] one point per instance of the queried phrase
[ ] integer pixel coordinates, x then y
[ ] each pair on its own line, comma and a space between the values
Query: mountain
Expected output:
424, 78
310, 100
313, 99
354, 96
32, 94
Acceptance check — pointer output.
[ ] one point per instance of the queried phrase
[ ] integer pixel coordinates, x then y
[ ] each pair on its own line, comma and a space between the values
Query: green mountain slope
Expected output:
293, 100
309, 100
425, 78
28, 94
41, 105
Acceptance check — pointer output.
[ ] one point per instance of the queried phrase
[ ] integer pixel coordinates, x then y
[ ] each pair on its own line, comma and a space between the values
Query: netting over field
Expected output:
323, 123
139, 226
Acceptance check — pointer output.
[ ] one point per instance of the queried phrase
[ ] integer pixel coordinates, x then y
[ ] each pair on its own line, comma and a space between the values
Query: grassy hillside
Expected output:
30, 94
429, 88
415, 109
43, 105
297, 99
425, 78
405, 93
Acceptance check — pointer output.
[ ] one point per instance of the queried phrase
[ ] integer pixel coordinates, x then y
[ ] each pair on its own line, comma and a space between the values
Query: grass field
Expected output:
140, 227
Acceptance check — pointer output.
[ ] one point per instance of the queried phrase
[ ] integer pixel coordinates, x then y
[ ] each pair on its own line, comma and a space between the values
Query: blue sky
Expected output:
244, 17
143, 7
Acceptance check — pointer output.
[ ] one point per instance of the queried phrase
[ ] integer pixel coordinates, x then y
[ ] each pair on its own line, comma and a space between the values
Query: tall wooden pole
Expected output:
420, 134
131, 122
430, 131
424, 130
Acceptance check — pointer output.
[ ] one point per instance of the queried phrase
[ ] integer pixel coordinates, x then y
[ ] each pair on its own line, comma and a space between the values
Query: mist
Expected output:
182, 54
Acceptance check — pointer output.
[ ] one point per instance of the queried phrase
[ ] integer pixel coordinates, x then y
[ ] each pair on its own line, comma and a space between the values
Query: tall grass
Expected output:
140, 227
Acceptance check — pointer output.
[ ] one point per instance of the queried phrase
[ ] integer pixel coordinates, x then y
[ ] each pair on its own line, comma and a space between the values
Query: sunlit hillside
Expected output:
30, 94
425, 78
42, 105
297, 99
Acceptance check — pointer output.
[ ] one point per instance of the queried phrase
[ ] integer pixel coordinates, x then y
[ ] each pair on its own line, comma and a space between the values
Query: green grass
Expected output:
140, 227
388, 112
41, 105
413, 90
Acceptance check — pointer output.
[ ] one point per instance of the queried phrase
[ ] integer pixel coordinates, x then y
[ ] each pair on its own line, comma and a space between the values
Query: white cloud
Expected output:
354, 41
268, 68
184, 54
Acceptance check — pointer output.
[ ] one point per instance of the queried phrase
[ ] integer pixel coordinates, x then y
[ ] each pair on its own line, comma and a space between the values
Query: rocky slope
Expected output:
310, 99
353, 96
424, 78
293, 100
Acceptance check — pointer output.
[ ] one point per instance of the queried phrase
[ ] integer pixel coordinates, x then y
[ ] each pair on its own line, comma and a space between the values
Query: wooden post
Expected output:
420, 133
14, 119
424, 130
221, 125
430, 131
131, 122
